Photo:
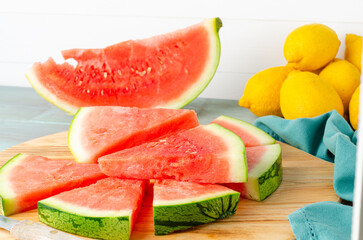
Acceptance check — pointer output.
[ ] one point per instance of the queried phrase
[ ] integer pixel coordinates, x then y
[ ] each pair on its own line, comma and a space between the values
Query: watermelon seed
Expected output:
105, 74
87, 90
148, 69
142, 73
80, 83
186, 71
127, 88
102, 92
68, 164
119, 72
132, 69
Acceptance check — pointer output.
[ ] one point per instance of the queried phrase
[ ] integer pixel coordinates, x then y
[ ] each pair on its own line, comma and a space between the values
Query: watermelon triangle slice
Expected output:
207, 154
250, 135
26, 179
168, 71
104, 210
263, 159
96, 131
182, 205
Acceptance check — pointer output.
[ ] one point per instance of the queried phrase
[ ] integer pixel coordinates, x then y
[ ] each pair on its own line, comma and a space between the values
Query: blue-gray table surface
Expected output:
25, 115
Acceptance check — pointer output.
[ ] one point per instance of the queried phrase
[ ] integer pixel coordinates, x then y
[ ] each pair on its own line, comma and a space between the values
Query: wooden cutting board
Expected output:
306, 179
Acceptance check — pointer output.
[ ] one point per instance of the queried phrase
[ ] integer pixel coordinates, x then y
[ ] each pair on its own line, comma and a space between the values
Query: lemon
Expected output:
354, 108
311, 46
344, 77
262, 92
353, 50
305, 94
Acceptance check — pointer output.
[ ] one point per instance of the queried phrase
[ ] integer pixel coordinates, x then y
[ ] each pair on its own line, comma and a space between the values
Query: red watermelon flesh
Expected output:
250, 135
96, 131
168, 70
105, 210
208, 154
26, 179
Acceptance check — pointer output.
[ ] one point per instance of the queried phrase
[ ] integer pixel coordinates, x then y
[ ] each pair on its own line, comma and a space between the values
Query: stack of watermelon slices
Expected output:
188, 160
134, 145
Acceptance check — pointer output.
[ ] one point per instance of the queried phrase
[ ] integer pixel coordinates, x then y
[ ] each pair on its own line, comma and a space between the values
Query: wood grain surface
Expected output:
306, 179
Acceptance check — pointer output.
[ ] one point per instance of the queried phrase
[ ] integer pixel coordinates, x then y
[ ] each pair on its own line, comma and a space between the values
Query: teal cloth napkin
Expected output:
330, 138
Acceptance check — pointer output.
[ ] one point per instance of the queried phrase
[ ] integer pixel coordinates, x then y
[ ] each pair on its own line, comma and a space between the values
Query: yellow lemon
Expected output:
354, 108
353, 50
305, 94
344, 77
262, 92
311, 46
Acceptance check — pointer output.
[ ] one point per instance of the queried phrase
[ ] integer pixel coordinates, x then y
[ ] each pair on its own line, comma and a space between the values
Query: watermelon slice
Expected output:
182, 205
104, 210
250, 135
264, 172
168, 71
263, 159
96, 131
207, 154
26, 179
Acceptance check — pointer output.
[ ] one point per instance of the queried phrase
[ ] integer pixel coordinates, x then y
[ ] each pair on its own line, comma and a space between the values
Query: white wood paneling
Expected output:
252, 37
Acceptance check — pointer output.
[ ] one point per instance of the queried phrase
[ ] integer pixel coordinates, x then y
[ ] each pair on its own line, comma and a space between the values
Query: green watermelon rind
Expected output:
212, 25
94, 224
264, 138
266, 177
238, 161
170, 218
7, 195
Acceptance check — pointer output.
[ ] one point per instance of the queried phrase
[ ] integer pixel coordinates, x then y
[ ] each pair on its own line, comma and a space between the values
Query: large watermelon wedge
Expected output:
167, 71
26, 179
96, 131
208, 154
104, 210
182, 205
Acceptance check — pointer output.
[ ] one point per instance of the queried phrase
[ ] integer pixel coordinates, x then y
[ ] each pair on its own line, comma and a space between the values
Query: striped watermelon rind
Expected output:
85, 221
266, 177
183, 214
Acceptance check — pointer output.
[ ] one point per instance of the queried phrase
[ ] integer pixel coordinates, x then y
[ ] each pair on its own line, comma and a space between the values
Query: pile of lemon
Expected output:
313, 81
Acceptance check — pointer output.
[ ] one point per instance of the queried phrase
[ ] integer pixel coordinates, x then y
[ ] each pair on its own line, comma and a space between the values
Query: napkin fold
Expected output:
329, 137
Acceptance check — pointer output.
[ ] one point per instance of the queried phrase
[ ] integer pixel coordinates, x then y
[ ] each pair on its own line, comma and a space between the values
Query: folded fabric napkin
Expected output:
329, 137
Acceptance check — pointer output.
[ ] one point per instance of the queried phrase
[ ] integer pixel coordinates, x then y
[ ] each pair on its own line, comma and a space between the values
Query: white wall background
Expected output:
252, 37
